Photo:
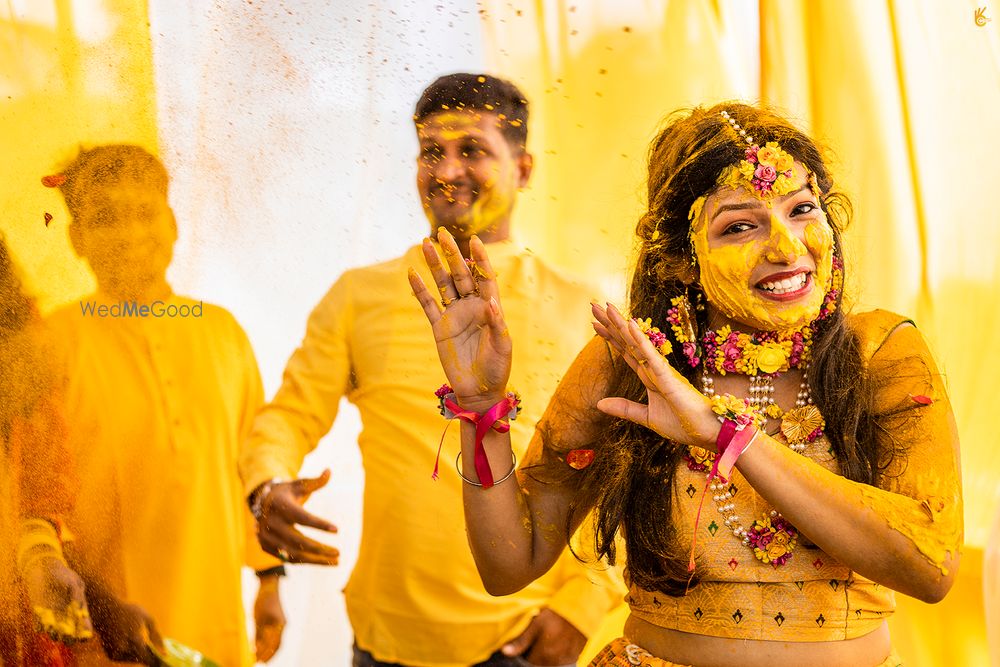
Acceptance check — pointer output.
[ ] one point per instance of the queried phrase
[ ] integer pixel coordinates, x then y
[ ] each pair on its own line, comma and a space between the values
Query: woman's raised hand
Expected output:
676, 410
471, 335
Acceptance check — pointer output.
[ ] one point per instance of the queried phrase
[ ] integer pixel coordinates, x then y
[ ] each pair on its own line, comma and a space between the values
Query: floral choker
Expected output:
727, 351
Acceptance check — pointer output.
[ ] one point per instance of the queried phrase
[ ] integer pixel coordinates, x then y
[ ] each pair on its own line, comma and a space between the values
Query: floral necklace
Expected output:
771, 538
727, 351
762, 356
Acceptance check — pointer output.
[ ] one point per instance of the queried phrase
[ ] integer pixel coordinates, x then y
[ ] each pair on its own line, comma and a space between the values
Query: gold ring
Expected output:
641, 362
474, 292
445, 301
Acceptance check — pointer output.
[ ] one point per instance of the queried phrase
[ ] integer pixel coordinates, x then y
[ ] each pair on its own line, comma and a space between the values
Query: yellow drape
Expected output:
905, 94
70, 74
600, 77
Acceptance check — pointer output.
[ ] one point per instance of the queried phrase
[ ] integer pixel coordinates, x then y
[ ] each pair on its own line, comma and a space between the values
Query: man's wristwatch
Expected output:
278, 571
256, 498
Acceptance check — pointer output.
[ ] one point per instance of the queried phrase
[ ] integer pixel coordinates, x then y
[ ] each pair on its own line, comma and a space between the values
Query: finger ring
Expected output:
283, 555
447, 301
641, 362
473, 292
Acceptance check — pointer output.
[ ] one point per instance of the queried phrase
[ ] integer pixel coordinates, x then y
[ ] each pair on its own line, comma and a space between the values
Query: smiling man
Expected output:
414, 597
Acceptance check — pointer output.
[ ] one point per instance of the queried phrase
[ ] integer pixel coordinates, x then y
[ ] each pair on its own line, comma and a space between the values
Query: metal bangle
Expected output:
513, 469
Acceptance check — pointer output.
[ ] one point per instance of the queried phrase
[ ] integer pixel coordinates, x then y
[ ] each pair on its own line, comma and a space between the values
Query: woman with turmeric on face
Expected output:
775, 466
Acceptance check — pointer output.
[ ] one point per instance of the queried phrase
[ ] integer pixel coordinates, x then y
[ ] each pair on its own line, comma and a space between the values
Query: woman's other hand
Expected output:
675, 409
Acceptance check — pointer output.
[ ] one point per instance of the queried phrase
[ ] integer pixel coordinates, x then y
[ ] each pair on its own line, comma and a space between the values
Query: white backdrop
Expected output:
287, 129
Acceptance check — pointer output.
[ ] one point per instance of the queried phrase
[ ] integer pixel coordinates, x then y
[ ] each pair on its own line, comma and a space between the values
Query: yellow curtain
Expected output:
600, 77
71, 73
906, 94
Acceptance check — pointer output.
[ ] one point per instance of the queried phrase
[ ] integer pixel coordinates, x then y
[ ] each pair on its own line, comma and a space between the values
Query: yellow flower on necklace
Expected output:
700, 455
772, 357
777, 547
800, 423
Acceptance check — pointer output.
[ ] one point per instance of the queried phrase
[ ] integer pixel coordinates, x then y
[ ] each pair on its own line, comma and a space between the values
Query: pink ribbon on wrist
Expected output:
483, 422
738, 443
729, 445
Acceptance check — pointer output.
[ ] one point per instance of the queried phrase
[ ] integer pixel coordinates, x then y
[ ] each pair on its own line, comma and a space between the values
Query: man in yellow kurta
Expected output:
414, 597
160, 393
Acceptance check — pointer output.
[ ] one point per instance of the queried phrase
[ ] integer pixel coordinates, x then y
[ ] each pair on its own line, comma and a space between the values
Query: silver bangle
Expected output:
513, 469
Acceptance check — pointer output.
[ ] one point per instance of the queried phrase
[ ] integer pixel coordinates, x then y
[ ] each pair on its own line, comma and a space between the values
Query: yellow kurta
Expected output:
415, 596
158, 407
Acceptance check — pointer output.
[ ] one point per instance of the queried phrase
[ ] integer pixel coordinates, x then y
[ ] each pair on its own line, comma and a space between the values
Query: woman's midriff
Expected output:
705, 651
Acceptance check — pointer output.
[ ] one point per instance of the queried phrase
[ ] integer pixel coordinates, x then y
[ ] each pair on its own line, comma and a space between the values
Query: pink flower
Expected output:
751, 153
442, 391
730, 351
657, 338
765, 173
729, 366
691, 352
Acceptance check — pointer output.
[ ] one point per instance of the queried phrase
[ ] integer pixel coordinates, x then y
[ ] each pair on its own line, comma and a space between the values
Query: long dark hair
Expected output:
631, 482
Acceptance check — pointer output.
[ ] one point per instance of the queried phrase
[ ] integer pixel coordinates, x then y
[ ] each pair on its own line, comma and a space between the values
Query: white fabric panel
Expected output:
287, 129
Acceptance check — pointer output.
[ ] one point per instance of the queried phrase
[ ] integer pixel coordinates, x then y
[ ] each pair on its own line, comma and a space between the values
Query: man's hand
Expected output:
269, 618
126, 631
548, 640
281, 510
57, 598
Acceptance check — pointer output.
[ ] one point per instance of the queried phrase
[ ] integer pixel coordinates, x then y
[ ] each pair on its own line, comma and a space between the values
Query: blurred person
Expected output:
413, 597
44, 609
777, 467
160, 392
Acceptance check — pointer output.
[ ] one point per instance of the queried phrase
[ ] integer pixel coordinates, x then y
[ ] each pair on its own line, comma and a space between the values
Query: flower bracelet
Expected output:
508, 408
